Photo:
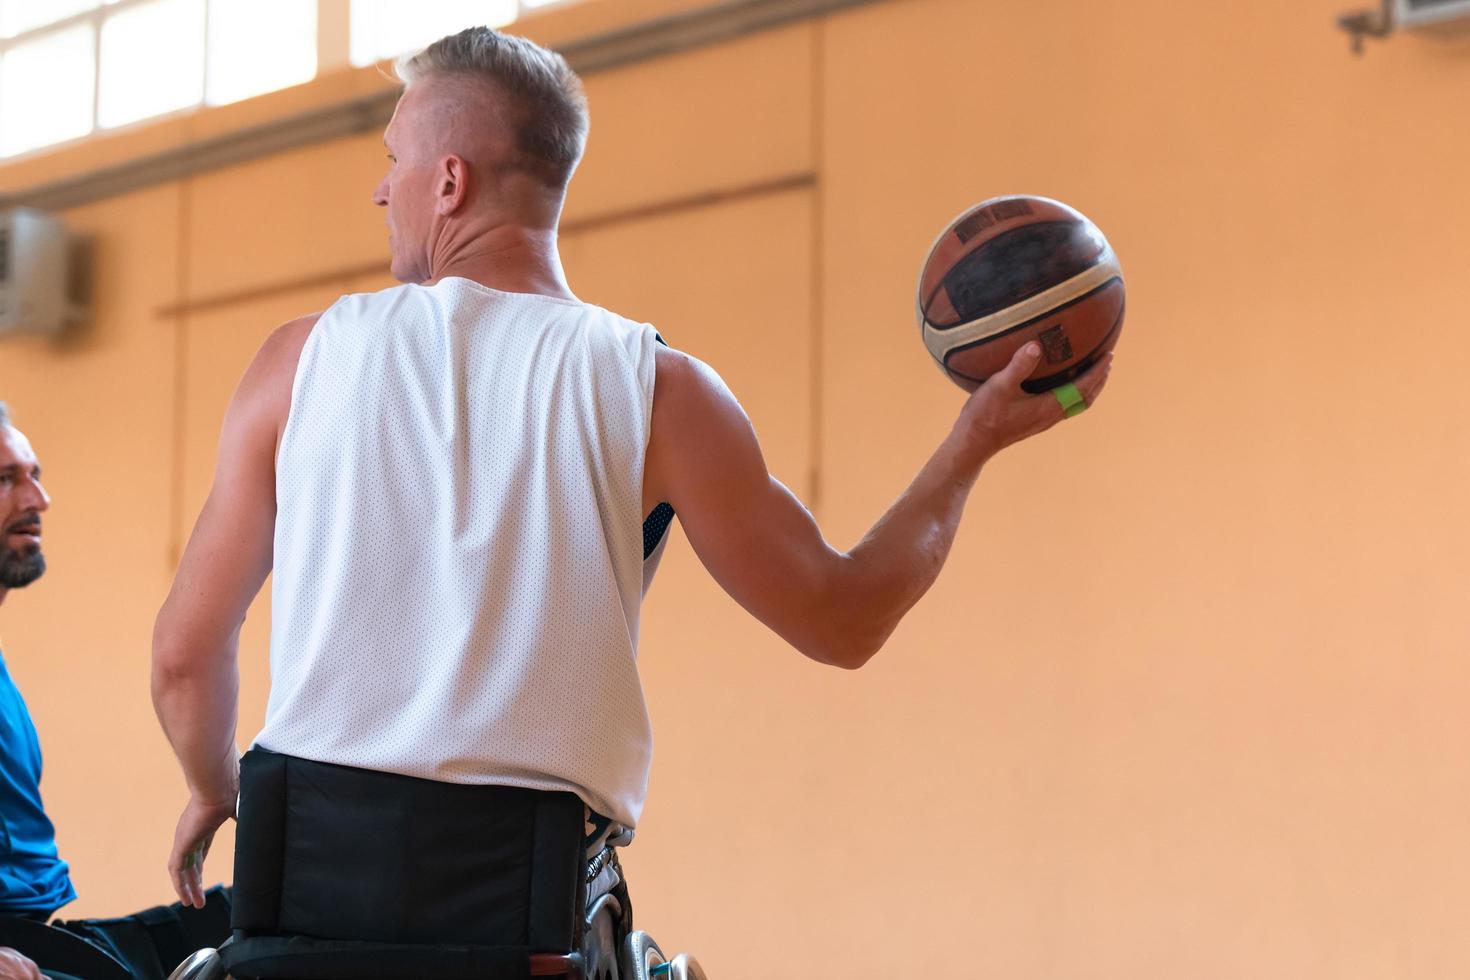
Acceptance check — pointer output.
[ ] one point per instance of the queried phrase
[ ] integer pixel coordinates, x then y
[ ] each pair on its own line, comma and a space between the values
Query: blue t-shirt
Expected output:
32, 877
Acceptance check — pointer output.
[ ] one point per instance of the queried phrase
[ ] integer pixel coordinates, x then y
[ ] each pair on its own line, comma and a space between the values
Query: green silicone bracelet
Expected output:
1070, 399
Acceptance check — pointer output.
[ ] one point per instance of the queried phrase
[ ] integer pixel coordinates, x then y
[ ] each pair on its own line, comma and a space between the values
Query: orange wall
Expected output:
1190, 697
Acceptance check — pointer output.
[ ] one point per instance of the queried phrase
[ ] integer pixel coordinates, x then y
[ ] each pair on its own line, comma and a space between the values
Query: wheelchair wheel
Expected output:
203, 965
685, 967
640, 955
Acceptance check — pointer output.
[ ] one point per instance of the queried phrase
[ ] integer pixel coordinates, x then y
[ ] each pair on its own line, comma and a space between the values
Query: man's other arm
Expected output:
763, 546
14, 966
196, 635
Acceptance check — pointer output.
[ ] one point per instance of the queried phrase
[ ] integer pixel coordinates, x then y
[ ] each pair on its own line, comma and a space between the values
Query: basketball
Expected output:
1013, 270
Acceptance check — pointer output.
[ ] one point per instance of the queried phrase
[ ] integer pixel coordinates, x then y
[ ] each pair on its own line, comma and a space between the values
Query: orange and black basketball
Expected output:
1016, 269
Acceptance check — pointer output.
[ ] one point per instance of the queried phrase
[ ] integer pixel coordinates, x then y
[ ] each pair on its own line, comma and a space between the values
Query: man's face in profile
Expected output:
22, 499
406, 190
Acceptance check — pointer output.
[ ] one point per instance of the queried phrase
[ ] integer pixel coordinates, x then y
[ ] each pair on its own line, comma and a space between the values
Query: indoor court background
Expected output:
1191, 698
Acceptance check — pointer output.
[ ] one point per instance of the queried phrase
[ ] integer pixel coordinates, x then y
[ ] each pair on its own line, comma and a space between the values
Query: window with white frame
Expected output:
69, 68
387, 28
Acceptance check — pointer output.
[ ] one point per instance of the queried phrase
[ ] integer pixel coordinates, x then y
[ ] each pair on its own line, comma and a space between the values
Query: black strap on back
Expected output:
656, 524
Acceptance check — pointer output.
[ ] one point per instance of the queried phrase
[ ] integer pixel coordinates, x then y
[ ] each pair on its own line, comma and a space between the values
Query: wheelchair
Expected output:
602, 956
528, 903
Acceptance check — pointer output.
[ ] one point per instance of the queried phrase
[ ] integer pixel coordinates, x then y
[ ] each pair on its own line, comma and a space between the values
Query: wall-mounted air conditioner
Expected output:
1434, 15
42, 274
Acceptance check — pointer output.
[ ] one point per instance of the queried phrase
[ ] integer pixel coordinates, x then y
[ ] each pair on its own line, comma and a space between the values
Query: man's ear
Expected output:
452, 186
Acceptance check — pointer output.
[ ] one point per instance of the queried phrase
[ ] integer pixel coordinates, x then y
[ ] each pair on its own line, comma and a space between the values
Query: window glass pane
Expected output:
259, 46
385, 28
46, 89
152, 60
17, 16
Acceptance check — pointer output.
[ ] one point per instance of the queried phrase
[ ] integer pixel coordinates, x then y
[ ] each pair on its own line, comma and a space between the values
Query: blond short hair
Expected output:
549, 107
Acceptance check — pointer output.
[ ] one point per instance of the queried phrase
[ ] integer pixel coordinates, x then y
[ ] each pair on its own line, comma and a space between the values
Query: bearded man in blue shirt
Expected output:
33, 879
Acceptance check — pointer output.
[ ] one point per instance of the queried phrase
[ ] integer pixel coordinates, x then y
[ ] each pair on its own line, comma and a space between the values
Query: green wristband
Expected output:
1070, 399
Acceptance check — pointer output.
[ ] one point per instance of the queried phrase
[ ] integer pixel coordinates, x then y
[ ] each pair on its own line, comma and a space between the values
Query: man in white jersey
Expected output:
450, 482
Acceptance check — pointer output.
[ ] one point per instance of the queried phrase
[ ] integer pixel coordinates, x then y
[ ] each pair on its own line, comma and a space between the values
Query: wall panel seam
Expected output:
621, 216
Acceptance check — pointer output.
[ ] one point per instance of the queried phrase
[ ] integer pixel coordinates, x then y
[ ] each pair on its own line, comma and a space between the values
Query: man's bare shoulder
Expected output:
263, 398
698, 428
671, 370
275, 362
691, 404
286, 341
684, 383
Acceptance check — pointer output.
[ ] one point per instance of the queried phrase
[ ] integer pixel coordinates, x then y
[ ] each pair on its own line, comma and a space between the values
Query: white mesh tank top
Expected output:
459, 543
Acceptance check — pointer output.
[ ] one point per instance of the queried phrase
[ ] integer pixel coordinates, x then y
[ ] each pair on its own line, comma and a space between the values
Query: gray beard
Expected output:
20, 568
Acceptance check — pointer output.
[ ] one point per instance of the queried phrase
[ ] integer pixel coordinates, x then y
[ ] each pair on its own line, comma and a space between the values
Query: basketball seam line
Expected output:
1037, 319
1043, 303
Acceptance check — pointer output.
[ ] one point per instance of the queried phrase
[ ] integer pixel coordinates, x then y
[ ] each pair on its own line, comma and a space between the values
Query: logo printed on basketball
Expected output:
980, 220
1015, 208
973, 225
1054, 345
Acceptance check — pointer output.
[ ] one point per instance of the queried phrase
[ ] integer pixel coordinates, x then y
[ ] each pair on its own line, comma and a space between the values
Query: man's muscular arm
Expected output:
195, 638
764, 548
